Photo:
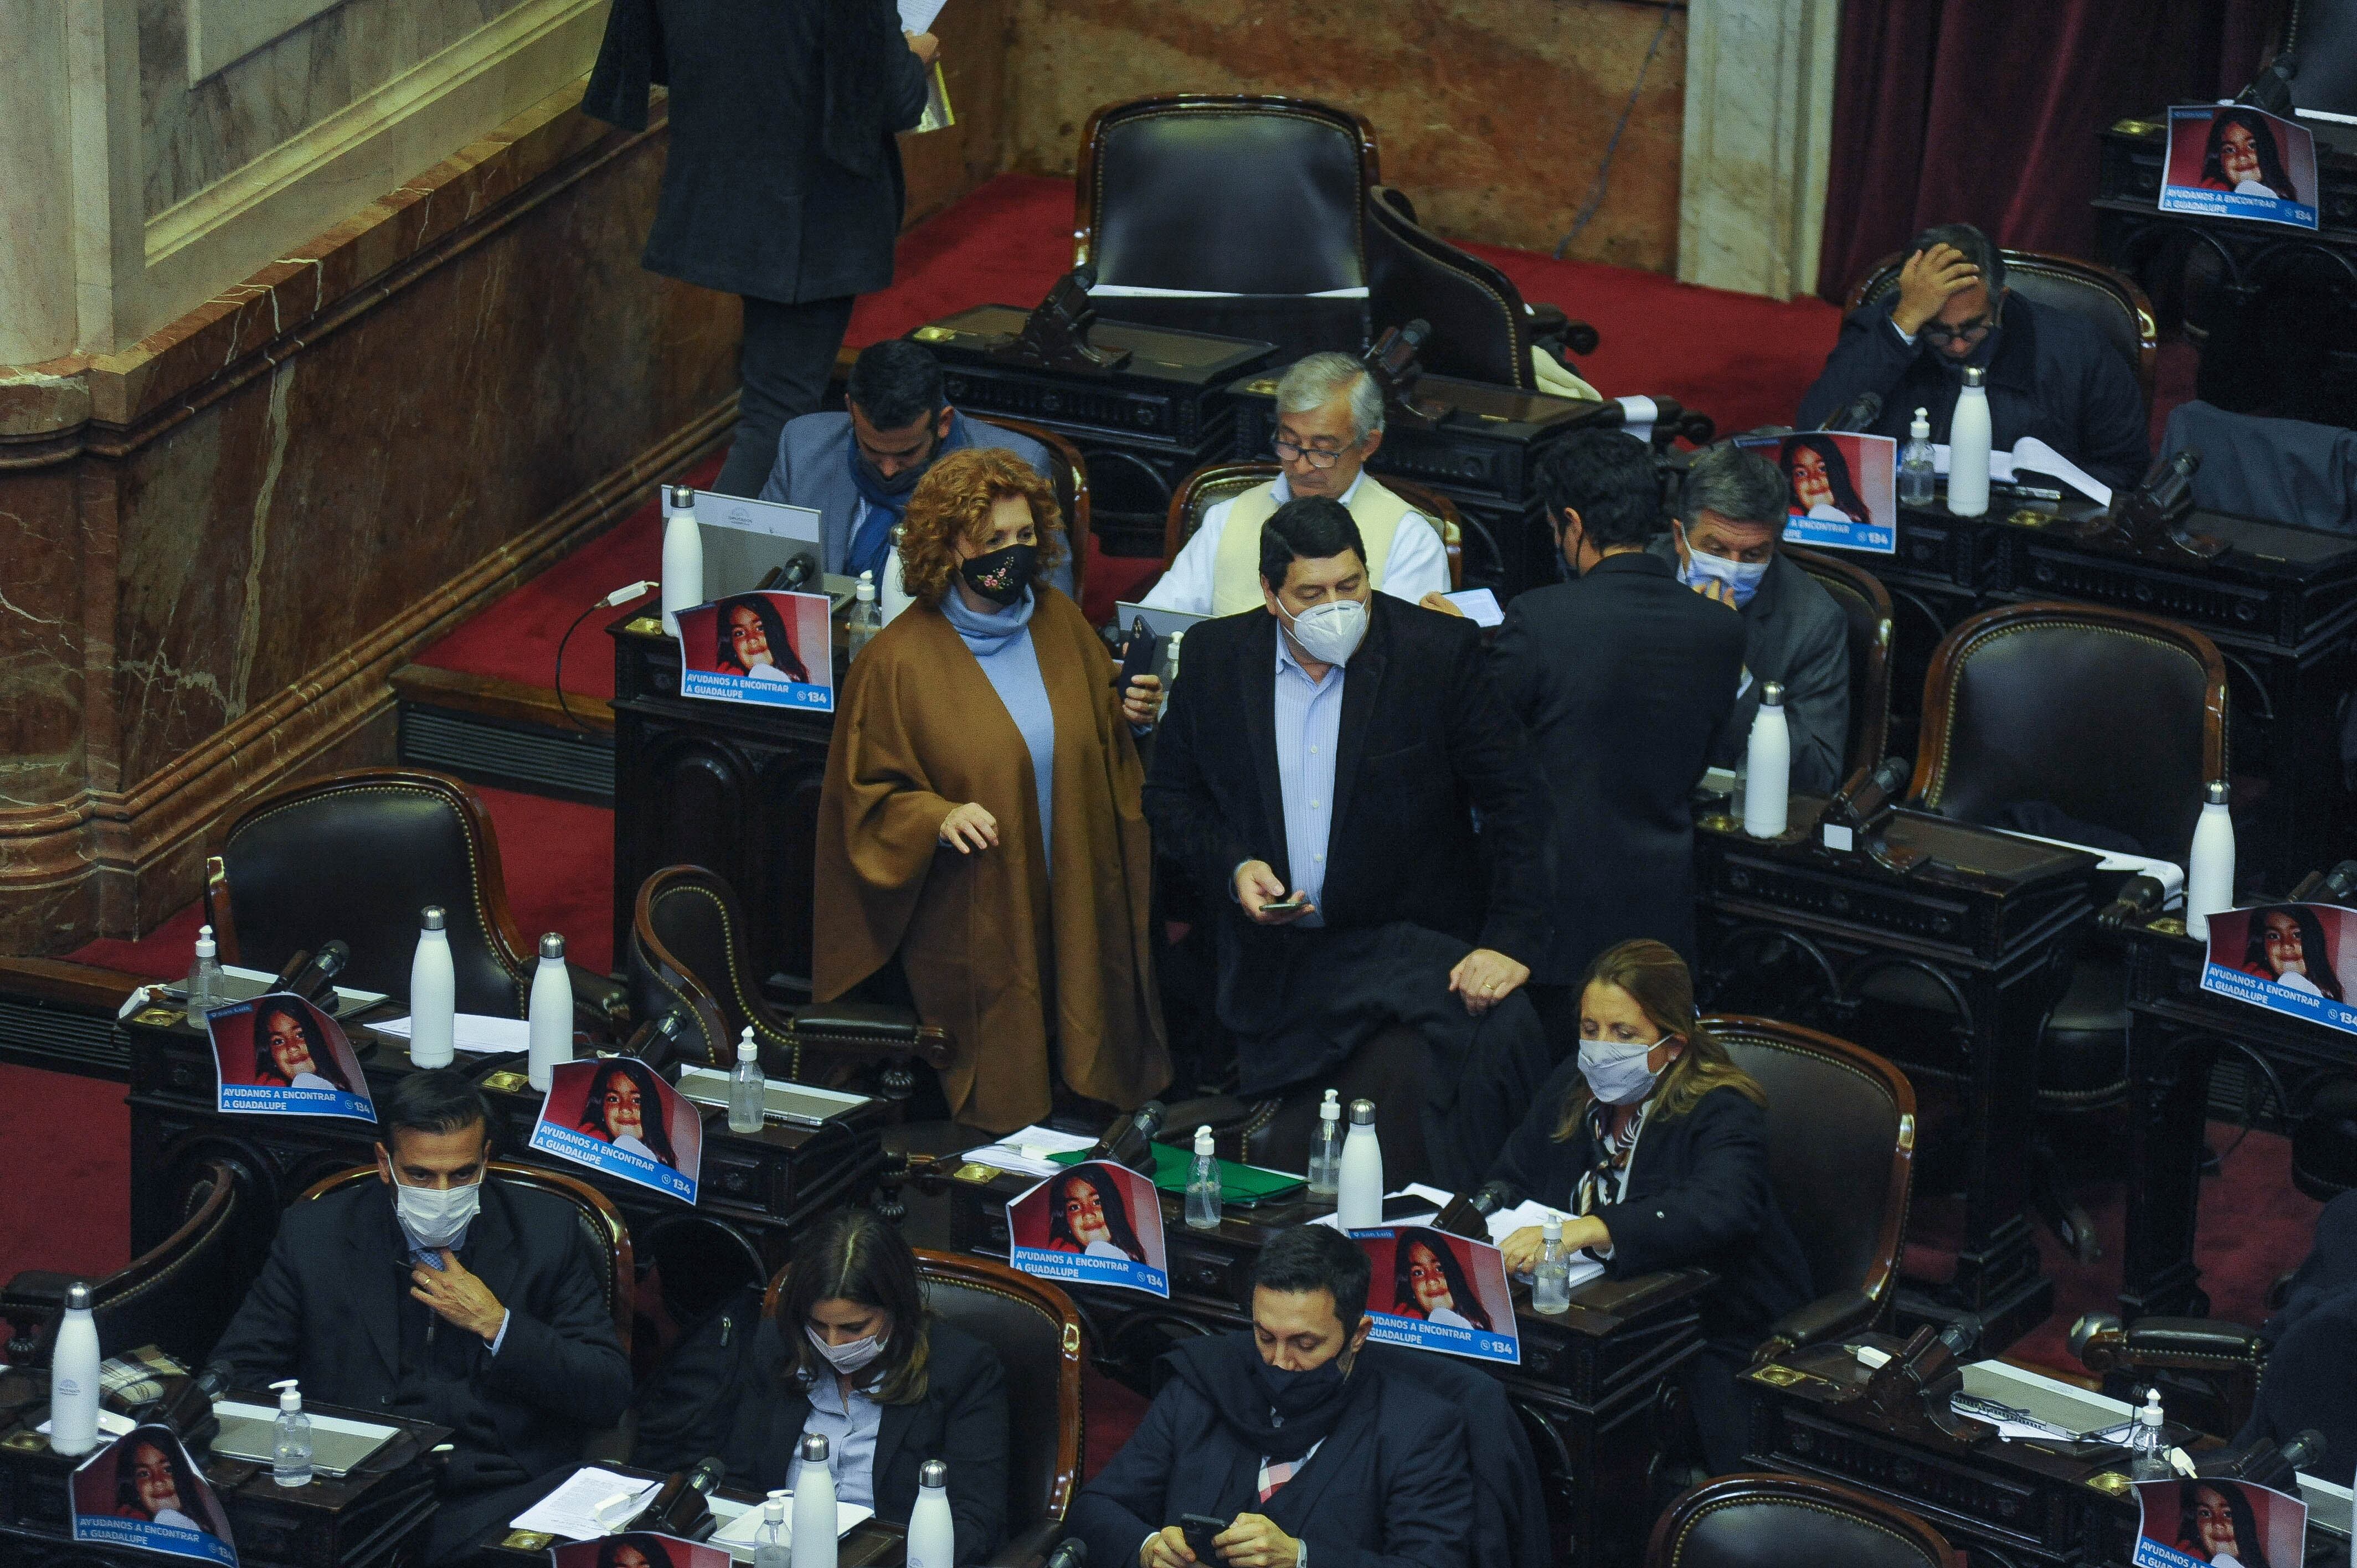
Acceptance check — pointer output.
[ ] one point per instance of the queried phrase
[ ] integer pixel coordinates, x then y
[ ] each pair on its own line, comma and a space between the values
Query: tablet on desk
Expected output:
337, 1446
1161, 623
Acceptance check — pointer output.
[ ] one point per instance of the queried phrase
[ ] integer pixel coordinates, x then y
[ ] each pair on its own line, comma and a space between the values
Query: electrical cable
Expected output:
618, 596
1604, 169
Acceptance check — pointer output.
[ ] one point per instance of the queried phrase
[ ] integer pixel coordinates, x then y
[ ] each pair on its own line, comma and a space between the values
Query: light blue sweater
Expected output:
1001, 643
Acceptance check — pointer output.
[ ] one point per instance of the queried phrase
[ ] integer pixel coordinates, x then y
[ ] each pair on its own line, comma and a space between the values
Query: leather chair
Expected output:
357, 856
1210, 485
178, 1296
2119, 719
2324, 1140
2110, 299
609, 1240
1275, 1131
1070, 481
1038, 1334
1754, 1521
1257, 201
1483, 330
1866, 613
2213, 1367
1841, 1158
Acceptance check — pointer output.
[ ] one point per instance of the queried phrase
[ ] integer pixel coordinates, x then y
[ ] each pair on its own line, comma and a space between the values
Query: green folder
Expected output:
1241, 1186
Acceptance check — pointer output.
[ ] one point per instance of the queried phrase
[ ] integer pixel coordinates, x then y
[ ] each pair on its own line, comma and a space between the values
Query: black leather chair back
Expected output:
1841, 1141
688, 954
1791, 1521
1388, 1070
357, 857
1867, 619
179, 1296
2116, 718
2324, 34
1036, 1330
1071, 481
2108, 298
1481, 331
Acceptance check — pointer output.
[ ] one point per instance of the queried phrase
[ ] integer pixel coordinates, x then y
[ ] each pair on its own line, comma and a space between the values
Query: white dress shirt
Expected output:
1418, 565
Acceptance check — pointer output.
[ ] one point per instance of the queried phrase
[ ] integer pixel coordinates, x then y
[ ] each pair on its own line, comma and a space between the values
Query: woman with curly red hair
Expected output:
980, 824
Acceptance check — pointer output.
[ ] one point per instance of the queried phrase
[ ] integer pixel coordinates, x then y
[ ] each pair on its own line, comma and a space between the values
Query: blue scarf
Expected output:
986, 634
873, 543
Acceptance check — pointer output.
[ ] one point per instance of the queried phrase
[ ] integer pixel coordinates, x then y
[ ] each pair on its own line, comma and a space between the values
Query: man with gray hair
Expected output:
1730, 518
1330, 420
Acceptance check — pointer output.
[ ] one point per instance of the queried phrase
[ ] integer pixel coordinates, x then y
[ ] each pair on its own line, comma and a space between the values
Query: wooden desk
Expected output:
1589, 1388
871, 1543
766, 1185
1984, 929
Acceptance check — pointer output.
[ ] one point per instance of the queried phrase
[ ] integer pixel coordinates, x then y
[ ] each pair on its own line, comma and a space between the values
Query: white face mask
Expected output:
849, 1357
438, 1217
1331, 632
1617, 1074
1741, 577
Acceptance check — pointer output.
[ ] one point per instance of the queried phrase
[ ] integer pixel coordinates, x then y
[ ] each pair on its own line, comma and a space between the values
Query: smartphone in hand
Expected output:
1200, 1530
1136, 656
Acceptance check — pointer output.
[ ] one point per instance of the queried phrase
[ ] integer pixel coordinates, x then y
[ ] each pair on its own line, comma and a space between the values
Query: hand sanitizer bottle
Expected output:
813, 1545
892, 592
683, 557
1551, 1275
770, 1549
1918, 485
73, 1378
747, 1090
861, 629
932, 1534
290, 1438
1968, 448
204, 979
2147, 1449
2210, 869
1768, 768
1326, 1151
433, 992
1203, 1185
550, 1014
1359, 1194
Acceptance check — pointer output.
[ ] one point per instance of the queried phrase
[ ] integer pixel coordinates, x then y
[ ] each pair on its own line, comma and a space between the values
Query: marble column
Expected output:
1759, 130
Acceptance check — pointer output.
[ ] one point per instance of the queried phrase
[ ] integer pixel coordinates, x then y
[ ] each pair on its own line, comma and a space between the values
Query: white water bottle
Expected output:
1918, 478
433, 992
2209, 873
550, 1014
1551, 1275
1325, 1153
748, 1091
1968, 448
290, 1438
73, 1378
892, 594
1204, 1195
1359, 1193
1768, 766
813, 1506
682, 557
204, 978
769, 1544
932, 1534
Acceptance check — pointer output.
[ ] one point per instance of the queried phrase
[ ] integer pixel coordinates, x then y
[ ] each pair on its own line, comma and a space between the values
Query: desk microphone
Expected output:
1869, 792
654, 1041
312, 976
1072, 1553
1468, 1213
1857, 415
2332, 886
1129, 1140
2140, 900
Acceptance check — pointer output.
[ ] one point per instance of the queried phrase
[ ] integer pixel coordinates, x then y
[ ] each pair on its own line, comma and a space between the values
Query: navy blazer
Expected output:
325, 1311
1698, 1193
1389, 1489
2051, 373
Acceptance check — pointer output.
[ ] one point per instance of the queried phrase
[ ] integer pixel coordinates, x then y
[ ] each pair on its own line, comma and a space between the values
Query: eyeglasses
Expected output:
1316, 457
1970, 332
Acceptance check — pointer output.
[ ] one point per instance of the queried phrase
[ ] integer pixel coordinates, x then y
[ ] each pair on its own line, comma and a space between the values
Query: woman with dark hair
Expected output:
1427, 1282
982, 831
2215, 1522
2286, 944
151, 1482
1817, 476
752, 641
1656, 1144
2242, 156
626, 1110
634, 1552
851, 1353
290, 1051
1087, 1215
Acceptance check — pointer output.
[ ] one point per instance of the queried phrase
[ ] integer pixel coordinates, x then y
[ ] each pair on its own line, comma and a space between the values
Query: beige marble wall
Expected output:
1759, 135
1494, 114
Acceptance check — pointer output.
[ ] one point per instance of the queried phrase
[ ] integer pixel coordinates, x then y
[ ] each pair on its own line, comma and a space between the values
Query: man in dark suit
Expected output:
782, 182
1624, 679
1297, 1433
1724, 541
443, 1294
2050, 372
1337, 743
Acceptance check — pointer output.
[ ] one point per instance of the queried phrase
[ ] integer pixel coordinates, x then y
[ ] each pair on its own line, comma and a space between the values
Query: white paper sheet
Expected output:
573, 1509
916, 15
1637, 416
2034, 454
1026, 1153
1480, 605
477, 1032
741, 1531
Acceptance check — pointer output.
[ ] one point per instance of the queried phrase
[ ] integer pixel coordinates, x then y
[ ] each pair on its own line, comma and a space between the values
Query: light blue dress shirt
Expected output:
426, 1257
1309, 725
850, 1431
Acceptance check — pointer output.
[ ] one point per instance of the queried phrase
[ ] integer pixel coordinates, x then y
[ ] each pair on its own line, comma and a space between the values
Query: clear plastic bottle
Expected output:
1203, 1185
1551, 1275
2147, 1448
1918, 481
769, 1546
932, 1532
204, 979
1326, 1151
290, 1438
747, 1090
73, 1377
865, 619
549, 1027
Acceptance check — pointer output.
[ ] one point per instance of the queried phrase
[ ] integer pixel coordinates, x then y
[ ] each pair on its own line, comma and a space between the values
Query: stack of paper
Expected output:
591, 1503
479, 1032
1026, 1153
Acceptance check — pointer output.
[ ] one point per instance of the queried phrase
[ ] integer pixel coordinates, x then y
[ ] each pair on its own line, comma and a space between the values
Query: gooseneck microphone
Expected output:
1857, 415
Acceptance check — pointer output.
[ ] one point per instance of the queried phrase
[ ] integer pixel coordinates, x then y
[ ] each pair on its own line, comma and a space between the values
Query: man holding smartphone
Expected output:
1290, 1442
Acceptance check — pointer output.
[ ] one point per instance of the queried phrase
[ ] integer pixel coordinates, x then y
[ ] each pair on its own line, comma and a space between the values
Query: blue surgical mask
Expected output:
1741, 577
1617, 1073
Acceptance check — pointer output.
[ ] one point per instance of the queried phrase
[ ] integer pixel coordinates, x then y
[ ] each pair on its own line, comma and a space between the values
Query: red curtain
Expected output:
1986, 112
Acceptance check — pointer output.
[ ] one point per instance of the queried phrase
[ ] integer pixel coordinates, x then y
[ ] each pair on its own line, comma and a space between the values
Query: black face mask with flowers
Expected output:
1001, 575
